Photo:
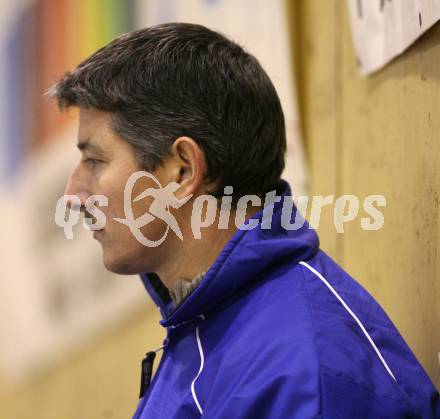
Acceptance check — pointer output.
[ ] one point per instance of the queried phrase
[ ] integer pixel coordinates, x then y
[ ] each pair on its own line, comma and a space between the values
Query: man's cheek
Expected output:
141, 207
154, 230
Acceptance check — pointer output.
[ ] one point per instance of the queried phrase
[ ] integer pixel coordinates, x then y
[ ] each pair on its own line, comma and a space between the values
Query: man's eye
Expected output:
91, 162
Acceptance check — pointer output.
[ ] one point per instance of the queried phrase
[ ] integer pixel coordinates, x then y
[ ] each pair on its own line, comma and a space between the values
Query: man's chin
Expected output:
119, 267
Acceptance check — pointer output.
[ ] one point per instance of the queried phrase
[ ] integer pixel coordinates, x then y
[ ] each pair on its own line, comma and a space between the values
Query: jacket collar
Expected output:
242, 259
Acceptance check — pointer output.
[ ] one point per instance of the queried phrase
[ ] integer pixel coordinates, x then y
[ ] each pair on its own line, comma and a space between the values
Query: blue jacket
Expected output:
277, 329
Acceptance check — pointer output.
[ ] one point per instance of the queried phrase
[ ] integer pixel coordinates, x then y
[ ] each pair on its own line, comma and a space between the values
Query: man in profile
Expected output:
260, 323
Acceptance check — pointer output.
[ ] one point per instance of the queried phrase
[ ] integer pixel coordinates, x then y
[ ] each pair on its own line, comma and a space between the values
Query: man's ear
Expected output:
189, 167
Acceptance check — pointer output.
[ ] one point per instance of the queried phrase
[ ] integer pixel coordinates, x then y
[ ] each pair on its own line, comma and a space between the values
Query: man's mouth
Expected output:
97, 233
90, 223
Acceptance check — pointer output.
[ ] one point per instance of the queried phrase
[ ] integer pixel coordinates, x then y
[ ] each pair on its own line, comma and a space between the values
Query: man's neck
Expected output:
192, 256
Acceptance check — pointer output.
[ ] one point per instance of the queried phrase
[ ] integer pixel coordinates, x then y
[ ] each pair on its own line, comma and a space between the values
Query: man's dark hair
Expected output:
180, 79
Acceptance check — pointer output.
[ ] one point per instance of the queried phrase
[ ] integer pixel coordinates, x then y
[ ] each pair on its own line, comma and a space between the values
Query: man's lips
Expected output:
90, 220
97, 233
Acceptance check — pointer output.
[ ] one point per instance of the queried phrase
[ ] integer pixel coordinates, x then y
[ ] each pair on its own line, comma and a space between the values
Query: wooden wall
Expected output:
377, 135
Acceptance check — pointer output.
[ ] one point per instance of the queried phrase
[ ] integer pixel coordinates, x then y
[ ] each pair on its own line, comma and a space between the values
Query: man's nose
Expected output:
76, 185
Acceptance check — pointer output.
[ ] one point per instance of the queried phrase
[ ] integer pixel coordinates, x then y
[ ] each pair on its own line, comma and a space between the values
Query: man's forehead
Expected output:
91, 122
91, 115
94, 132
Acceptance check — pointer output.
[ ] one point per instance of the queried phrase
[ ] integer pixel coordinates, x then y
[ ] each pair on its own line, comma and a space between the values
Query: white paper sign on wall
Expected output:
382, 29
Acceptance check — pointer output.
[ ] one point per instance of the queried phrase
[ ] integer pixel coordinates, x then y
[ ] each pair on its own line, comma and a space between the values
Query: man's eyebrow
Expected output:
88, 145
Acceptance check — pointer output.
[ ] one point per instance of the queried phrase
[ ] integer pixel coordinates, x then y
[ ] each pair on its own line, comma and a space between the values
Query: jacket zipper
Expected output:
146, 373
149, 360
